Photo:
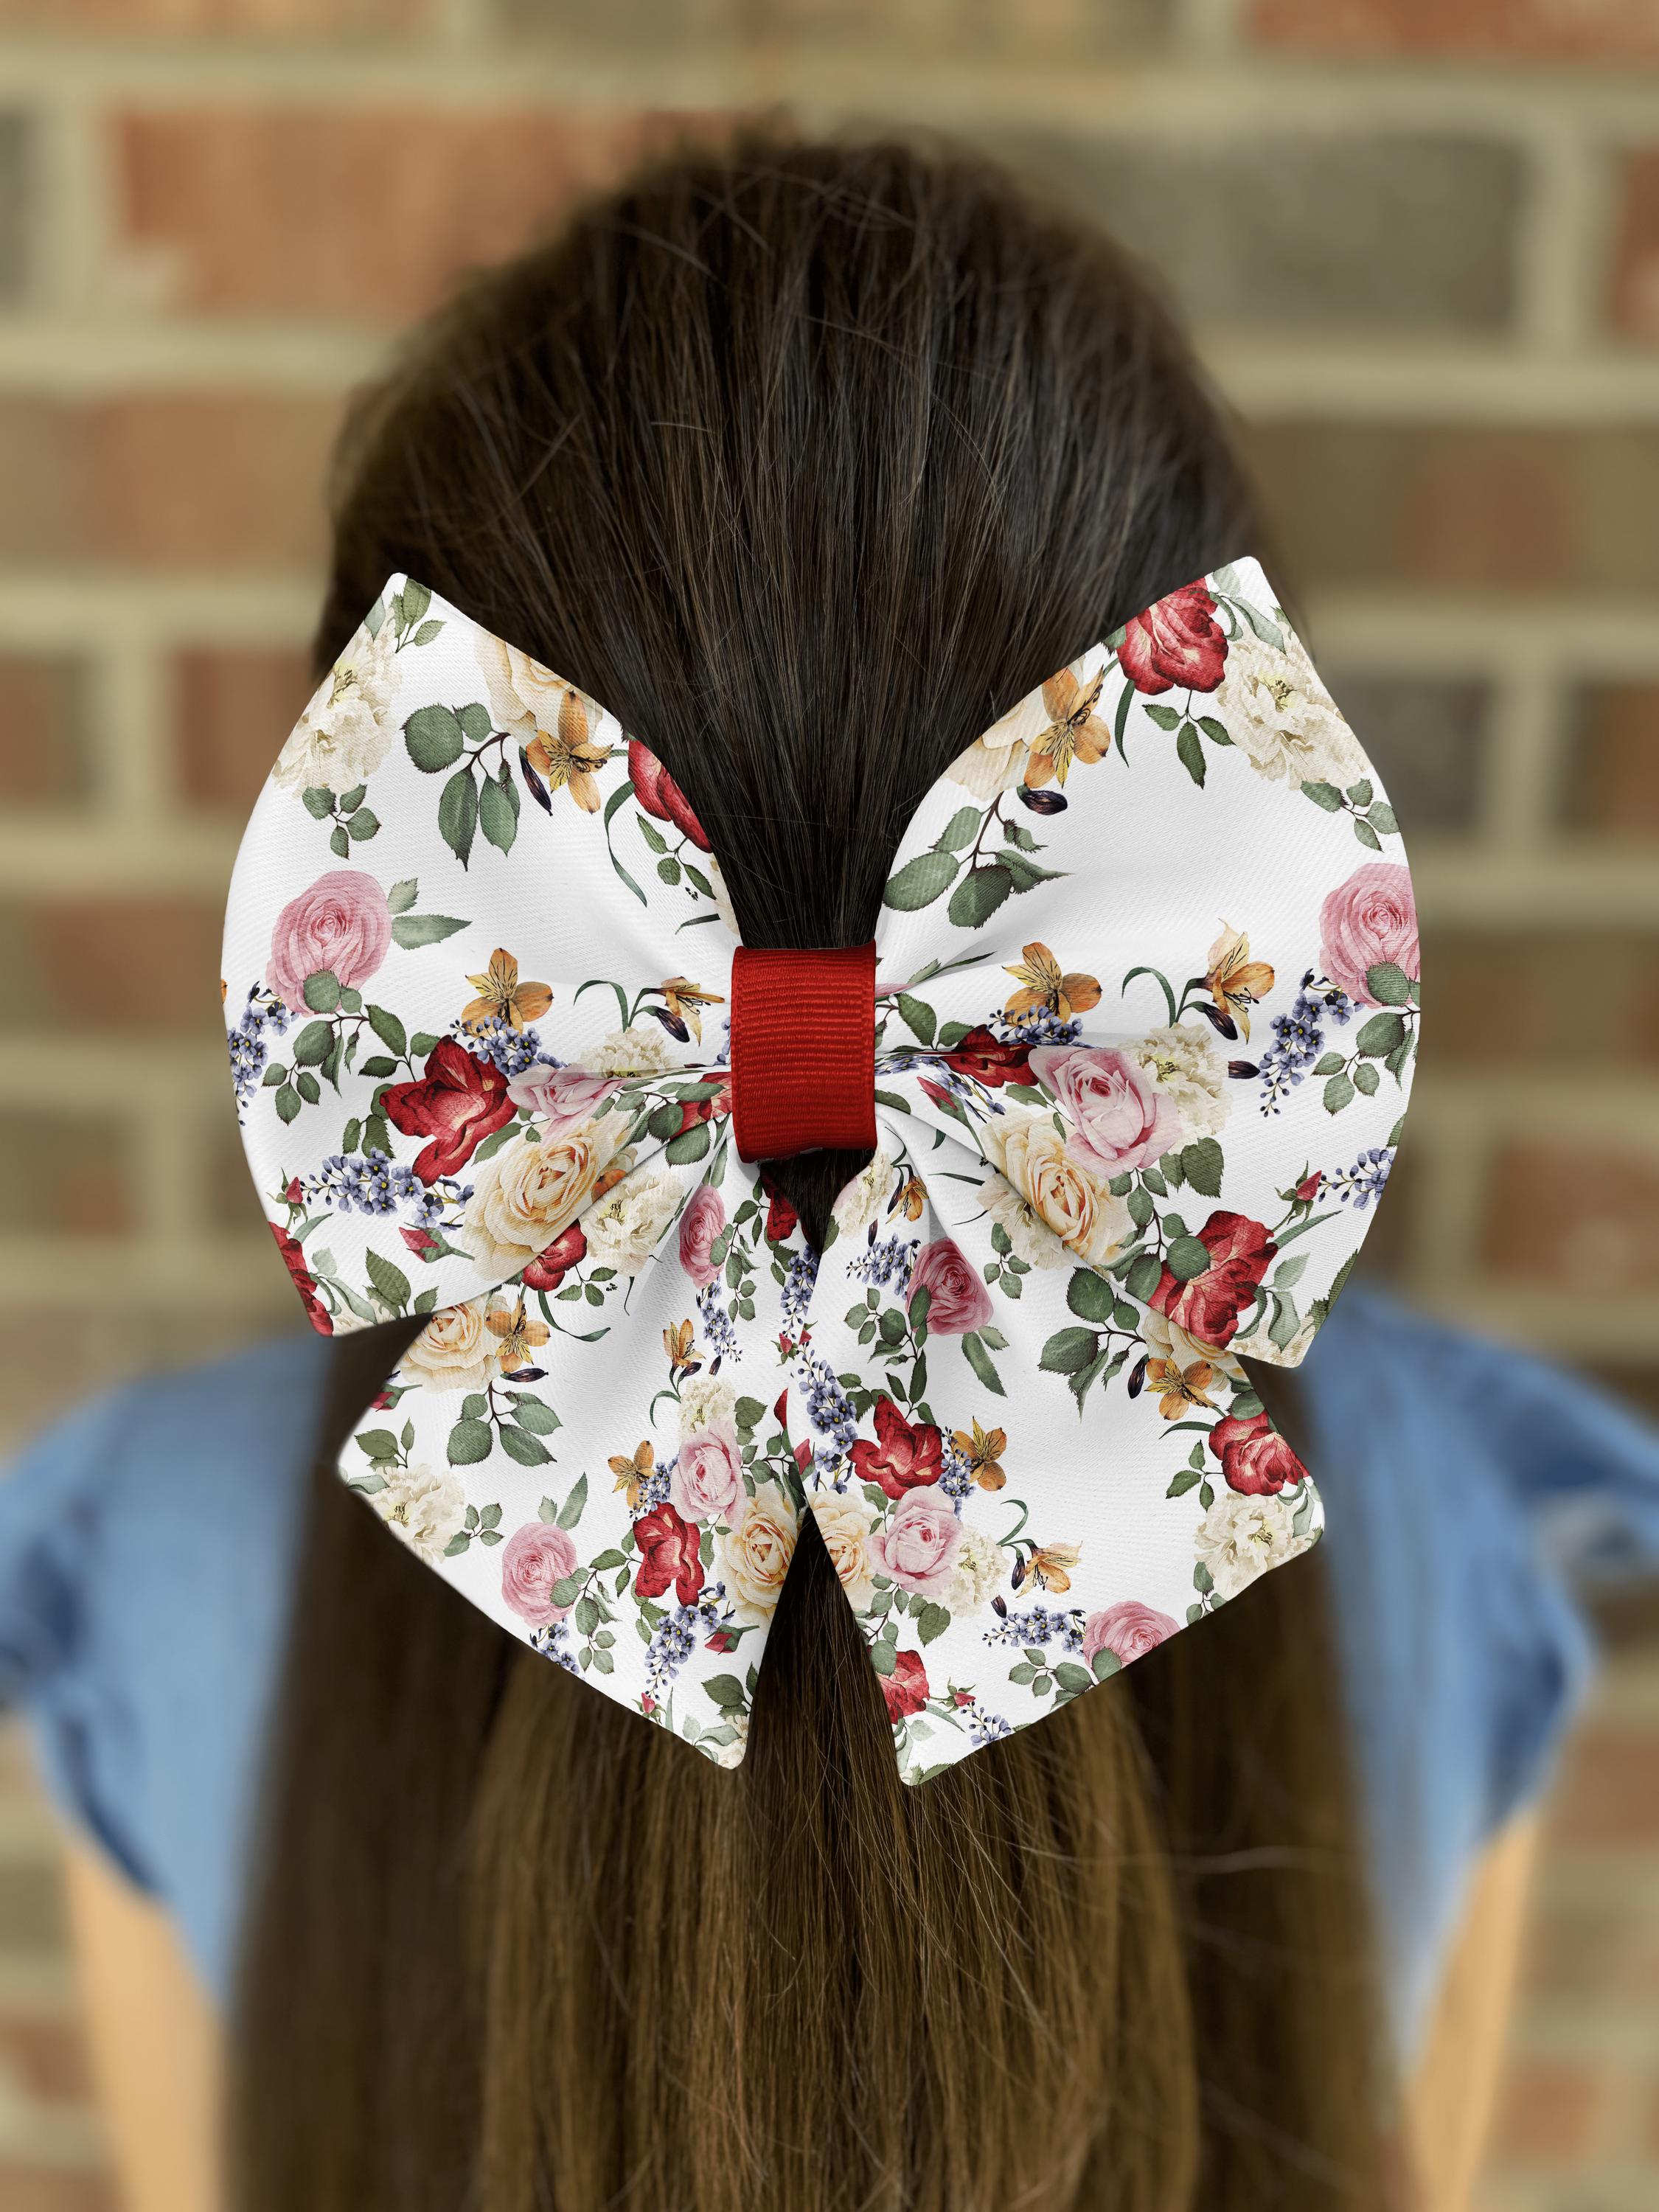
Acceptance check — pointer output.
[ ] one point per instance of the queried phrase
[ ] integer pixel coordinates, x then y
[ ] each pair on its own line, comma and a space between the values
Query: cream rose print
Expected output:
1105, 1177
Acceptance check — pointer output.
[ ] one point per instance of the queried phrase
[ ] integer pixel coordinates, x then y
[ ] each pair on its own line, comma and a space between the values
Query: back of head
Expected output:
808, 461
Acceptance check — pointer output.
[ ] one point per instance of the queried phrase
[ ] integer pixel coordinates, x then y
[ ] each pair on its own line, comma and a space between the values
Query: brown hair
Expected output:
808, 461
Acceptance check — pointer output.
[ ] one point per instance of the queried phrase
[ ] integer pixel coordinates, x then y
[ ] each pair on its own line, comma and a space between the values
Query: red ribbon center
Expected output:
803, 1051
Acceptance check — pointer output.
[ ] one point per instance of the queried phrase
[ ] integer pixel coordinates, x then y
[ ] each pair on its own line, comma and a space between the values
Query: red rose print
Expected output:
1209, 1305
693, 1110
906, 1688
459, 1101
902, 1457
1178, 641
659, 793
304, 1281
1308, 1189
668, 1554
1255, 1457
421, 1242
554, 1262
781, 1218
988, 1060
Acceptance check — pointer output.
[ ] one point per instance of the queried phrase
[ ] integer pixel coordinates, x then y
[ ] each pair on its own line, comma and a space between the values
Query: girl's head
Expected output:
808, 461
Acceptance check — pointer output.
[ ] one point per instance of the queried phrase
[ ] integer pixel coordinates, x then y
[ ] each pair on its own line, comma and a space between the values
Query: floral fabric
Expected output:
1147, 1003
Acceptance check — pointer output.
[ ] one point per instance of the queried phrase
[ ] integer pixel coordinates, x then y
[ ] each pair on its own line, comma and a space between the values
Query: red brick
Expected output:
230, 480
226, 480
1547, 2113
1584, 1951
1612, 782
1467, 506
1609, 1793
1636, 258
1551, 1219
45, 467
1610, 30
1510, 999
66, 1174
125, 966
36, 2189
364, 216
47, 2058
42, 759
265, 18
234, 710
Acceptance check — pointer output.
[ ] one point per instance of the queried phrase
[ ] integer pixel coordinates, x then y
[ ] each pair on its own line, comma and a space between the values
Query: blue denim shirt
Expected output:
148, 1544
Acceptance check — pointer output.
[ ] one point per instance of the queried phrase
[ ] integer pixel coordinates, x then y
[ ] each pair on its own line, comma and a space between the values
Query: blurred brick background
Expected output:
1421, 242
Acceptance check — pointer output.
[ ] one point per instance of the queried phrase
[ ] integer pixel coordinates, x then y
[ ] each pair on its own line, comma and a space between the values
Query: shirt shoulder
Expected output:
1469, 1488
148, 1545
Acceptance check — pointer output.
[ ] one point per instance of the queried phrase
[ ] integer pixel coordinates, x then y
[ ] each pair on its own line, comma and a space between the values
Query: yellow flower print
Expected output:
683, 1357
983, 1452
519, 1334
911, 1199
633, 1473
684, 1000
1045, 987
1179, 1387
1050, 1566
502, 997
1236, 981
568, 756
1074, 733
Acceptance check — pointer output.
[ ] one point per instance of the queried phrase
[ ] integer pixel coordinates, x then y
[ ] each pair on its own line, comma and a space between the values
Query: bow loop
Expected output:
1143, 1017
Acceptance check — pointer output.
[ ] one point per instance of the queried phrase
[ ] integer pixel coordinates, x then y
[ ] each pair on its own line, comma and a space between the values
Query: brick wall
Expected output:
1420, 241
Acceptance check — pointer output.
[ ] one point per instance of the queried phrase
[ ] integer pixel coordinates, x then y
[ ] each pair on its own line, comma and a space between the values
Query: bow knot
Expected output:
803, 1051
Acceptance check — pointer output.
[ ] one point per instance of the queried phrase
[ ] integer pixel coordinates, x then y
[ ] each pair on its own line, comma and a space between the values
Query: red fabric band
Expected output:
803, 1051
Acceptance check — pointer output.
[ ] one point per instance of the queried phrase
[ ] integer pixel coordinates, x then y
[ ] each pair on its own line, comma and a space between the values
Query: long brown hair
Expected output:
808, 461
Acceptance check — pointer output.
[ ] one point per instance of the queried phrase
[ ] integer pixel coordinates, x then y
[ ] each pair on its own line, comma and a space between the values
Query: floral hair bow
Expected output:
1131, 1045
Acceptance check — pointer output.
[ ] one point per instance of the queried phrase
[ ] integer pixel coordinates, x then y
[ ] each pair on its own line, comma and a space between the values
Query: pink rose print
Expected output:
1129, 1628
1120, 1119
699, 1225
560, 1097
708, 1478
341, 923
906, 1688
959, 1300
919, 1544
533, 1558
1370, 922
1178, 641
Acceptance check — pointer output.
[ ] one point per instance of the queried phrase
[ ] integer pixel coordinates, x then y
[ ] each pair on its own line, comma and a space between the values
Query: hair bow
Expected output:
1131, 1045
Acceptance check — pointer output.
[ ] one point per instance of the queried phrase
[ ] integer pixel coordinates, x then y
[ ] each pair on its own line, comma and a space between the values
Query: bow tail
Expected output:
1025, 1479
590, 1453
